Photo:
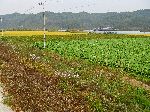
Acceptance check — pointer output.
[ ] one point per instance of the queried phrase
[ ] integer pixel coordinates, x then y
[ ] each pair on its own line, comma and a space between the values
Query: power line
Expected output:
30, 10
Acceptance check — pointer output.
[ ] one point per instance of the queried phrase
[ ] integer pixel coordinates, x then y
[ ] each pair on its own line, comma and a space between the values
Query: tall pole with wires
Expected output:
44, 27
1, 19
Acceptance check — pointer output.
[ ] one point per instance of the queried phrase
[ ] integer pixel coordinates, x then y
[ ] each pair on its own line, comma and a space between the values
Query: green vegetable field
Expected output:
130, 54
76, 73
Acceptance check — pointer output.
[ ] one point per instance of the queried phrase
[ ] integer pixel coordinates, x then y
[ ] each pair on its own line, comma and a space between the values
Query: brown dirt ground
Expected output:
33, 90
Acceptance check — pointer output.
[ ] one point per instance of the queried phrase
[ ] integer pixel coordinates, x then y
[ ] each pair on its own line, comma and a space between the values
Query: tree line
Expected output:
137, 20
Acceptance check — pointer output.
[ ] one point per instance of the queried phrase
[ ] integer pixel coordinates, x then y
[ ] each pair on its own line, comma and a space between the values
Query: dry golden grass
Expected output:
147, 35
141, 34
30, 33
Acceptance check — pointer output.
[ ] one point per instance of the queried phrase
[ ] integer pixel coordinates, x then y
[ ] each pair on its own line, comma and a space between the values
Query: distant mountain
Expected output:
137, 20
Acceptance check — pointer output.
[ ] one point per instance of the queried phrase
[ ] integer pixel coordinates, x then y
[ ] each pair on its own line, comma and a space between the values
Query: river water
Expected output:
118, 32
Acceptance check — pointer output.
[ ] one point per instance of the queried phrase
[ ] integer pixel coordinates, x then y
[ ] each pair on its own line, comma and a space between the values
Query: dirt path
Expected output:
3, 108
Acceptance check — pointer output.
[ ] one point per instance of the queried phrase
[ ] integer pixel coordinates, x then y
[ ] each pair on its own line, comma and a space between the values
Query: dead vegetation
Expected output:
31, 90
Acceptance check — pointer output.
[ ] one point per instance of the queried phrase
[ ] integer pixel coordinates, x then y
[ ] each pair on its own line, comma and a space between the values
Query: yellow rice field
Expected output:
30, 33
141, 34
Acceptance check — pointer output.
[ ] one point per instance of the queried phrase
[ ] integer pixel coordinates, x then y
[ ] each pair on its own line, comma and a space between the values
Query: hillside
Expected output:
137, 20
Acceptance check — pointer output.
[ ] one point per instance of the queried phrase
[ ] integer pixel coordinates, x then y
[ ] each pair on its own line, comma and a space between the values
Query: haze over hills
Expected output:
137, 20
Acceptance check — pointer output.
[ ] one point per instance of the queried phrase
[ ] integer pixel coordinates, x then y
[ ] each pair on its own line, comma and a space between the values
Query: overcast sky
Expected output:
99, 6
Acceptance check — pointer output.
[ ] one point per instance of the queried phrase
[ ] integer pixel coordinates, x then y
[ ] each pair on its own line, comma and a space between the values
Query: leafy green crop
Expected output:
131, 54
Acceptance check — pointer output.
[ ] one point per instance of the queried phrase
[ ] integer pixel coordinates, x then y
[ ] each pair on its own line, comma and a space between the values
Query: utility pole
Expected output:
1, 19
44, 29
